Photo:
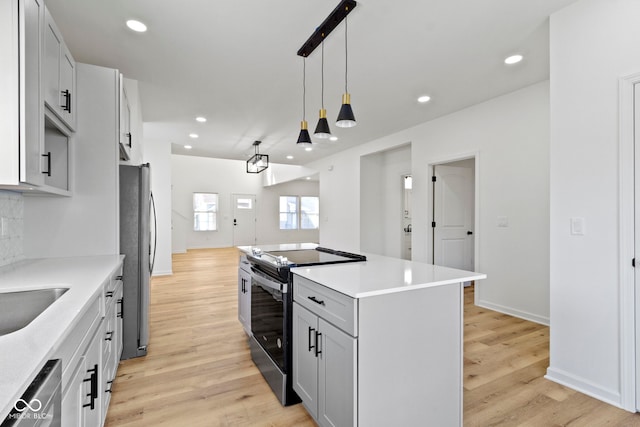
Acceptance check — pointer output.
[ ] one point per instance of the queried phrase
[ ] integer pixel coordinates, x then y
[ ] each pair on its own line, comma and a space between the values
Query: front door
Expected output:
453, 217
244, 219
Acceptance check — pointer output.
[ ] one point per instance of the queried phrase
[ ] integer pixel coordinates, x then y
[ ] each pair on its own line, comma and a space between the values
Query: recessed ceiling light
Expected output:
193, 135
513, 59
308, 177
188, 147
201, 119
136, 26
424, 98
290, 157
333, 138
308, 149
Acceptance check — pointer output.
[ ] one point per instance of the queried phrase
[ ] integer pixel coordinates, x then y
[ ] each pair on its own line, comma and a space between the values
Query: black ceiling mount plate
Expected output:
332, 21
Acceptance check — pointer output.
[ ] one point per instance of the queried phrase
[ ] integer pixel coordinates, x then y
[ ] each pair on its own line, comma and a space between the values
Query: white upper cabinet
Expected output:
126, 138
34, 142
59, 74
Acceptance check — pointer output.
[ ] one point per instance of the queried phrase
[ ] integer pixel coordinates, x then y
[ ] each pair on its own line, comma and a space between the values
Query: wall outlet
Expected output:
503, 221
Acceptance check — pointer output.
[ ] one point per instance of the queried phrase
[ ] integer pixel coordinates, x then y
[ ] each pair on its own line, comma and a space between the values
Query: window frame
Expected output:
299, 214
213, 211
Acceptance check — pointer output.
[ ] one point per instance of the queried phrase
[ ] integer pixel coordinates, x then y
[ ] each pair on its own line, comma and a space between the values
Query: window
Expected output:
299, 212
205, 211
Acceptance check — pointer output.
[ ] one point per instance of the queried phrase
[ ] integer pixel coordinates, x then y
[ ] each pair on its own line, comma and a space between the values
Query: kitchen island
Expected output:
379, 343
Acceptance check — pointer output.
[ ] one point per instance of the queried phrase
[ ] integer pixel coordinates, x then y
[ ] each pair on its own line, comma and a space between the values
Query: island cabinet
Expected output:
385, 358
244, 294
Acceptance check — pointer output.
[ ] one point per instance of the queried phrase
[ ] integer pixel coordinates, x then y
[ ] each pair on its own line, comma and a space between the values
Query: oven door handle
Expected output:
265, 280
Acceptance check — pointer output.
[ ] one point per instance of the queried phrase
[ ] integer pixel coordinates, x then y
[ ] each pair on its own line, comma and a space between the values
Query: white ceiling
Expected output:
235, 63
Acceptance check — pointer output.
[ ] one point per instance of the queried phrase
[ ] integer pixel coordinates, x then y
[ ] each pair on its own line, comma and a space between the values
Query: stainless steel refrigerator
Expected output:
137, 242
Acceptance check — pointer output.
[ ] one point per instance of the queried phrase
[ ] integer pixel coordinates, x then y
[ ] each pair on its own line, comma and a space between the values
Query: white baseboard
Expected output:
513, 312
574, 382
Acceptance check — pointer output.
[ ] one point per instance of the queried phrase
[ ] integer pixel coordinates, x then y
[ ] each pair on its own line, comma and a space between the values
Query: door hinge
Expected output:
433, 224
433, 179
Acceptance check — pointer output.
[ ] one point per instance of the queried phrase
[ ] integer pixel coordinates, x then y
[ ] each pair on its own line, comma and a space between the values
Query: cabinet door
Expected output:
125, 119
336, 377
73, 399
67, 87
305, 361
92, 401
244, 299
51, 70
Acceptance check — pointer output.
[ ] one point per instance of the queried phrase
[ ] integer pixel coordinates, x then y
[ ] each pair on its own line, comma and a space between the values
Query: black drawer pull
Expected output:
109, 294
67, 101
48, 156
317, 301
118, 277
310, 346
109, 336
318, 351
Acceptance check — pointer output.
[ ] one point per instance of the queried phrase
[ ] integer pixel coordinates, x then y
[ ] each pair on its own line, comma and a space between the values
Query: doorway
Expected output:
244, 219
454, 214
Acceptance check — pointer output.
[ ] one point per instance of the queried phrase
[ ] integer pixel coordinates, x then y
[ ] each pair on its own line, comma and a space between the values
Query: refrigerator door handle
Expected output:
152, 258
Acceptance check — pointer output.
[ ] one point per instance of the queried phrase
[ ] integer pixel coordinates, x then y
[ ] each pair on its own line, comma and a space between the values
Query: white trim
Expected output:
476, 207
512, 312
626, 241
163, 273
583, 386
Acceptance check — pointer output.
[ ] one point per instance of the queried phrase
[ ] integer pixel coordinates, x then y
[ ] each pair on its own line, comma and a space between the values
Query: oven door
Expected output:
268, 300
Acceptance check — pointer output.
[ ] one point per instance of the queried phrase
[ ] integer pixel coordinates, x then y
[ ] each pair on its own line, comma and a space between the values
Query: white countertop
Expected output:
381, 275
24, 352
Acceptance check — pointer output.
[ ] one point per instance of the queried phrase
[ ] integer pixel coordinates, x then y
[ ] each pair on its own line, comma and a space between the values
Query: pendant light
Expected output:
304, 140
258, 162
346, 119
322, 129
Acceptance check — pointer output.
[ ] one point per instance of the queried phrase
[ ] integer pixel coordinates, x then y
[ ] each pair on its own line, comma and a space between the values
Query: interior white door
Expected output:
244, 219
453, 217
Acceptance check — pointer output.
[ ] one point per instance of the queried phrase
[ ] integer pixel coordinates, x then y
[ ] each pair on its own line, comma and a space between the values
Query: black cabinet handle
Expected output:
469, 233
93, 394
129, 136
120, 312
48, 156
109, 294
118, 277
111, 386
309, 336
318, 351
67, 101
317, 301
109, 336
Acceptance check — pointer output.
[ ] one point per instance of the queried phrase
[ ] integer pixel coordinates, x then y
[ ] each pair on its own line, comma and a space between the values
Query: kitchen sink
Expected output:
18, 309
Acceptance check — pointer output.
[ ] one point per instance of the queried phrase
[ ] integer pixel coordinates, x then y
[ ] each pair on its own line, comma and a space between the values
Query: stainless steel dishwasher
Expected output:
40, 404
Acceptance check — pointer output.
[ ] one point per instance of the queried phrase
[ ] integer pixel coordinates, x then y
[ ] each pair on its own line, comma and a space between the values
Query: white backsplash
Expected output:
12, 213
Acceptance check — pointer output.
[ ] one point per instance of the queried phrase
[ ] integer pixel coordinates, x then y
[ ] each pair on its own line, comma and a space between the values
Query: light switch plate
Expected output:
578, 226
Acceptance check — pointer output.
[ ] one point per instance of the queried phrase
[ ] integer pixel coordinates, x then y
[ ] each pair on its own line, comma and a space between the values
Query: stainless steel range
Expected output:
271, 310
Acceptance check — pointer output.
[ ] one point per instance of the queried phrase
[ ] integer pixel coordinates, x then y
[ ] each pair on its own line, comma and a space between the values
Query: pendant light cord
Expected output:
346, 56
322, 77
304, 86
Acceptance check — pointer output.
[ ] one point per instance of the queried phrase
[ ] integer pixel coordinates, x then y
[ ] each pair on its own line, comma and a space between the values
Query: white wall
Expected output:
381, 198
158, 155
192, 174
593, 44
510, 136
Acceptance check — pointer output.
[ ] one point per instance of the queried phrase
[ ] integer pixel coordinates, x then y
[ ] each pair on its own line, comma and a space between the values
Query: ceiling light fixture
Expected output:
513, 59
345, 117
188, 147
258, 162
333, 138
289, 157
308, 149
201, 119
304, 140
136, 26
424, 98
193, 135
322, 129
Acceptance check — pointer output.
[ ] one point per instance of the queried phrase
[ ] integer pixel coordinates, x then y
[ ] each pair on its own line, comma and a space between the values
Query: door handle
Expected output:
235, 222
469, 233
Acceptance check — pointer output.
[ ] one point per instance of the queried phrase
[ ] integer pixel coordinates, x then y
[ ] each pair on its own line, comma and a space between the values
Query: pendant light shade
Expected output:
258, 162
322, 128
304, 140
346, 118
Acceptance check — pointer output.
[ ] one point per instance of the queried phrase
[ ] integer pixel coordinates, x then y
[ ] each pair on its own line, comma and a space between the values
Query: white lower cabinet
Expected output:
90, 355
324, 367
244, 294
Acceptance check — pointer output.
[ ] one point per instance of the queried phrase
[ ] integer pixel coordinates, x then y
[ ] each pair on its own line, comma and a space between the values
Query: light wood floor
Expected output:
198, 371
